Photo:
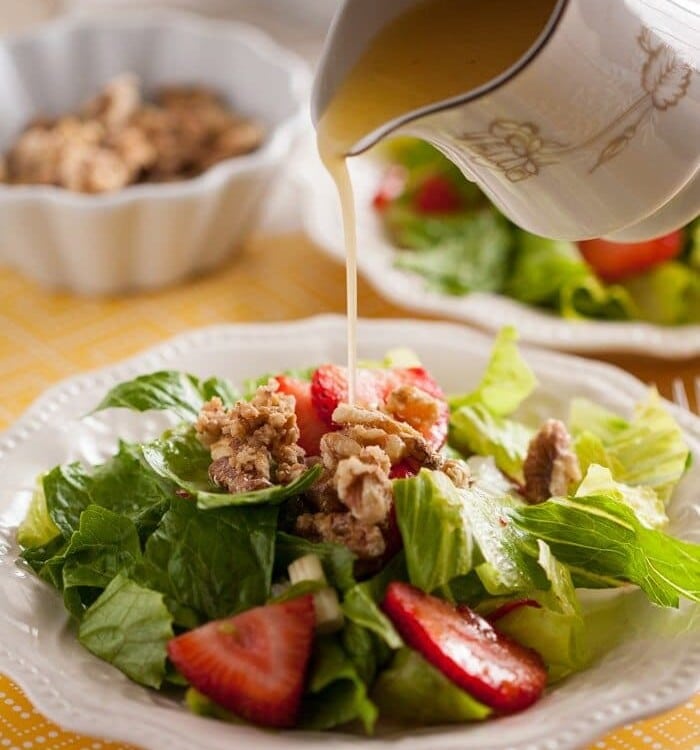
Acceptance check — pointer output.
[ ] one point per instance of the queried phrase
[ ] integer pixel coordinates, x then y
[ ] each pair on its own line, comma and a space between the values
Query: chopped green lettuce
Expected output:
104, 545
647, 505
337, 561
473, 259
649, 450
437, 539
555, 629
412, 691
37, 529
335, 695
211, 564
588, 297
447, 532
178, 392
604, 544
475, 430
668, 294
361, 602
129, 626
507, 380
544, 267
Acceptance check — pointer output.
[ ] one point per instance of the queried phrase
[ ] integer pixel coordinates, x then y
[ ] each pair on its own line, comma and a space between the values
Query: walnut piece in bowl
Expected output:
119, 139
140, 187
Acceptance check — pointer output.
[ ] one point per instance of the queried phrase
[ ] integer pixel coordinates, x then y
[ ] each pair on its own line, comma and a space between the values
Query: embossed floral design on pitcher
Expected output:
519, 150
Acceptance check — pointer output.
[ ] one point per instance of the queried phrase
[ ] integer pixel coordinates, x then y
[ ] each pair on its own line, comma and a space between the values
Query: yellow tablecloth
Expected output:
48, 336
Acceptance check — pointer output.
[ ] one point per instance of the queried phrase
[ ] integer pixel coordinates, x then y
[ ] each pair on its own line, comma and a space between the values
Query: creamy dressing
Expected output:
436, 50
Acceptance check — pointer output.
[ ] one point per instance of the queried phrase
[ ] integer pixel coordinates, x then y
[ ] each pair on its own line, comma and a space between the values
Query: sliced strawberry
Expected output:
390, 188
467, 649
311, 427
253, 664
437, 195
403, 470
419, 377
508, 607
329, 387
616, 261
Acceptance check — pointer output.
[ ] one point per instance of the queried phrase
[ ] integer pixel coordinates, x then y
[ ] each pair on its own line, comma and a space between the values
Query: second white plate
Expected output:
377, 255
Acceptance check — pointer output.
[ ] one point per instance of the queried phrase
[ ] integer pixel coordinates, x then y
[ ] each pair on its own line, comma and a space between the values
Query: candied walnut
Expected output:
363, 484
363, 539
550, 465
117, 103
254, 444
34, 157
414, 406
458, 472
134, 148
86, 168
239, 138
210, 423
117, 140
398, 439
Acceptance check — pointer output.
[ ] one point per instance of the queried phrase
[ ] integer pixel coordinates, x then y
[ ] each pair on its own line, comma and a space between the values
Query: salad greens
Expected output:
460, 243
145, 546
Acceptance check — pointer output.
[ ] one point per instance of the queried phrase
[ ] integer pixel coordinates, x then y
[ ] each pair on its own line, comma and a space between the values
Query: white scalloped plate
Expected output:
656, 666
376, 257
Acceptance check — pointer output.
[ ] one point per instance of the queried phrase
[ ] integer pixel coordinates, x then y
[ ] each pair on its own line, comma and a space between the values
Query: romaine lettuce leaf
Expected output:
202, 706
474, 256
367, 651
335, 695
129, 626
647, 505
104, 545
361, 602
337, 561
588, 297
447, 532
604, 544
67, 492
668, 294
170, 390
124, 484
506, 382
649, 450
213, 563
542, 268
475, 430
506, 564
412, 691
37, 529
556, 629
438, 542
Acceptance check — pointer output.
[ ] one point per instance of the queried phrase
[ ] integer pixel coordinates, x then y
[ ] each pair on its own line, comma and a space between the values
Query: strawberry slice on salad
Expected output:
438, 195
467, 649
617, 261
253, 664
311, 427
329, 387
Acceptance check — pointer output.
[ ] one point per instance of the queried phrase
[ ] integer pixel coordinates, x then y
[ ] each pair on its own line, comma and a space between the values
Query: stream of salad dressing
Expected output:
436, 50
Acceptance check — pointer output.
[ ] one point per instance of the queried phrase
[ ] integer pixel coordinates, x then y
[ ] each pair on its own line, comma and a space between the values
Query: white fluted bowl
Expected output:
149, 235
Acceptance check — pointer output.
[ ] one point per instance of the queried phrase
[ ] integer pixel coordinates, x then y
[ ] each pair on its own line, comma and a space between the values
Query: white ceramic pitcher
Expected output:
594, 132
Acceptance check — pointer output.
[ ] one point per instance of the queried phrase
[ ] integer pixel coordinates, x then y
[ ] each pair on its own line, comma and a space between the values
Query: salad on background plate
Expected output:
287, 560
430, 241
451, 235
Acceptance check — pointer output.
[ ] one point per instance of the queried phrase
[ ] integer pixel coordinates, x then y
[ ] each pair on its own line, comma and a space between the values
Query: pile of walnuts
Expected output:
119, 139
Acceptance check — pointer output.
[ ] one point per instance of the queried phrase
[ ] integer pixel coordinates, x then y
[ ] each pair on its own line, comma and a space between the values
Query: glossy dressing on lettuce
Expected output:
436, 50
